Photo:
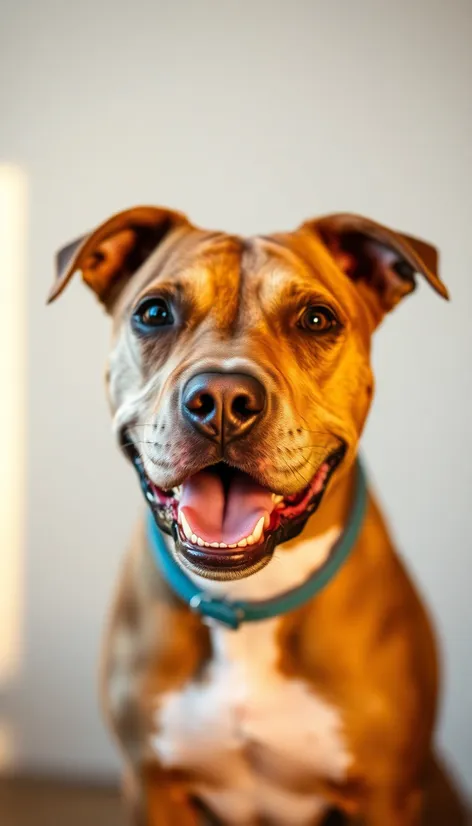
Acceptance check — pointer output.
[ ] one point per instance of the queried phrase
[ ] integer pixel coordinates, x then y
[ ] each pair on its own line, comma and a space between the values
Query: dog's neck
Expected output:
294, 561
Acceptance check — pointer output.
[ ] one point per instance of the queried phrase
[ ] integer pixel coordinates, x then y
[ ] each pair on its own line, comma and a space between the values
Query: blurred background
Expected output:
250, 117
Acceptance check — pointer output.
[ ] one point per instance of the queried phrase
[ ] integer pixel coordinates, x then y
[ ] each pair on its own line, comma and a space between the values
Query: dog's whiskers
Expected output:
132, 443
306, 430
315, 447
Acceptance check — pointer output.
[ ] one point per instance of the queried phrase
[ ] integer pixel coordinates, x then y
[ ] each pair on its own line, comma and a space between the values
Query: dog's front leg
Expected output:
153, 645
387, 807
154, 798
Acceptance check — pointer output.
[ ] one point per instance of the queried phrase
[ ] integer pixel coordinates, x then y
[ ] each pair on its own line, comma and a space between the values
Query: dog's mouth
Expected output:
226, 524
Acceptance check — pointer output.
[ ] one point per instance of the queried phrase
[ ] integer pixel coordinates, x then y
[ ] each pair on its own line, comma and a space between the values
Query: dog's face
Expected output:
239, 375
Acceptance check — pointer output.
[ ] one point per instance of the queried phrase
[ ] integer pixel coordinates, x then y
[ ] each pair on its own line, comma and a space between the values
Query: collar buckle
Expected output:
216, 611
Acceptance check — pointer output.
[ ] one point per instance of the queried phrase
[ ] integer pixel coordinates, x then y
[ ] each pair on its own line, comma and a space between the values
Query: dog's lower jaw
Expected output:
225, 566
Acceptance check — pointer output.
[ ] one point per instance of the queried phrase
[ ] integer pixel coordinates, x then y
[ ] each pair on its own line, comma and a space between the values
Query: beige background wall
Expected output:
249, 116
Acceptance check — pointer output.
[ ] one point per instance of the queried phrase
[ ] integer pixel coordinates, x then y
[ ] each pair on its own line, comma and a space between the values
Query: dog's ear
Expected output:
382, 261
115, 250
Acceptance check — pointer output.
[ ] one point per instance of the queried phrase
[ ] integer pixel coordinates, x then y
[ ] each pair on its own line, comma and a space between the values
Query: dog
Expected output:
239, 380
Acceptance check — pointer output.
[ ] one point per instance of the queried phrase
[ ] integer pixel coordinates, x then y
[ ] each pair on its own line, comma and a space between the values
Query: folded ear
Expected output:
382, 261
115, 250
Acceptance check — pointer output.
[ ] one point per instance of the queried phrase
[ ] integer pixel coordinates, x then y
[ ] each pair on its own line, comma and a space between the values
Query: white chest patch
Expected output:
252, 733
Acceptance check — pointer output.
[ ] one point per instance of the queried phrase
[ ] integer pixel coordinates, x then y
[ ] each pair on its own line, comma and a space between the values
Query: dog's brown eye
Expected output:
151, 314
318, 320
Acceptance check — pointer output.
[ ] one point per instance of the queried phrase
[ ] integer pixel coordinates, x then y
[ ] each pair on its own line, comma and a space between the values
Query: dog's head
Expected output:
239, 375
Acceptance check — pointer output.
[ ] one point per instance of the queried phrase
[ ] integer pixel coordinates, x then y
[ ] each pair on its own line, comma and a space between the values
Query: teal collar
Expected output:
233, 613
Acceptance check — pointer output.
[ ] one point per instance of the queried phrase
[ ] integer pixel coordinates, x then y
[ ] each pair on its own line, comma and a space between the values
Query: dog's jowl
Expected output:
267, 659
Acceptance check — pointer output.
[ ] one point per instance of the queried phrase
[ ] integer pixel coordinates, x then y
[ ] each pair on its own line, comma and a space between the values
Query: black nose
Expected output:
223, 406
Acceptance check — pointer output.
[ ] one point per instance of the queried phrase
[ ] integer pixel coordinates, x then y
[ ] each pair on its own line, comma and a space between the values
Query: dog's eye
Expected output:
151, 314
318, 320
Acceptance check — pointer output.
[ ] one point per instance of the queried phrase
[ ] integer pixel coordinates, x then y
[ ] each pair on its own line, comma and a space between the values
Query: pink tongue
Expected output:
216, 517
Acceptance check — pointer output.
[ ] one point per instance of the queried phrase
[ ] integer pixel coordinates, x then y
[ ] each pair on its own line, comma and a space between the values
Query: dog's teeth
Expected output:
277, 499
252, 539
257, 532
178, 491
185, 526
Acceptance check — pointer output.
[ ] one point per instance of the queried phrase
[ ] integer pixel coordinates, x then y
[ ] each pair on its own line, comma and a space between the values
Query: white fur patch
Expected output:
249, 729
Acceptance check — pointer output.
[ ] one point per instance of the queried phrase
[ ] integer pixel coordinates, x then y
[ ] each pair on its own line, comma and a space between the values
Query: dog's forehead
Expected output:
286, 268
276, 261
195, 257
220, 271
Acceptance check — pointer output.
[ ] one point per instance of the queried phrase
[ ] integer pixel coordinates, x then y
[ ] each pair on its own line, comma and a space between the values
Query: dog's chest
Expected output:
256, 739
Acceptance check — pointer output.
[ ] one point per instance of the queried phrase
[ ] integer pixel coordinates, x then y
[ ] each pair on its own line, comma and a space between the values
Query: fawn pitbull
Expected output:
239, 380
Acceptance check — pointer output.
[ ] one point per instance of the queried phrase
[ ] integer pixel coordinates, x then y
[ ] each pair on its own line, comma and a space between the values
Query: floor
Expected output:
44, 803
34, 803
